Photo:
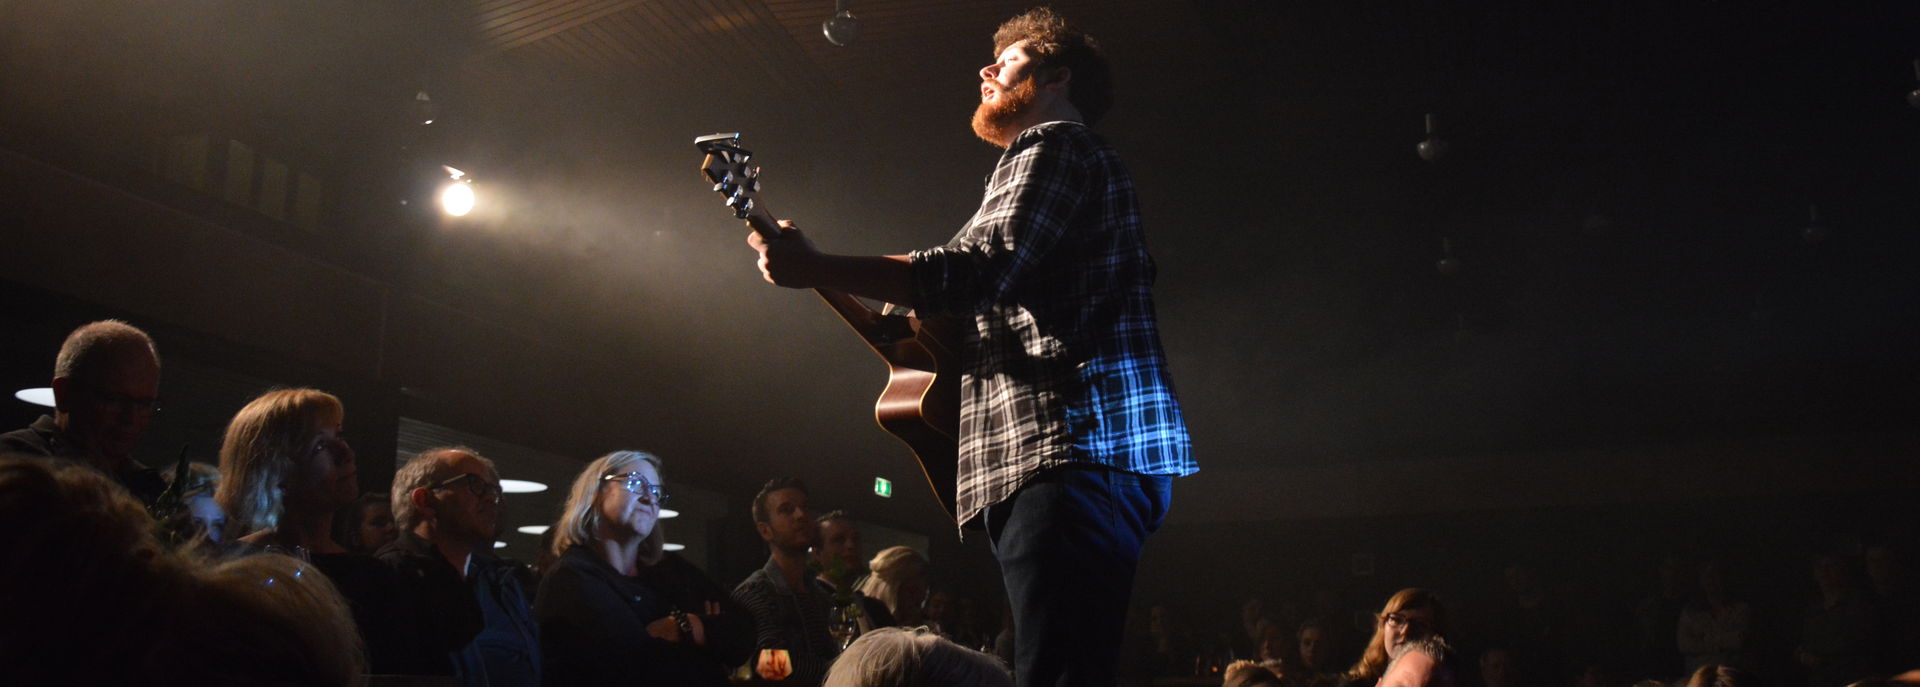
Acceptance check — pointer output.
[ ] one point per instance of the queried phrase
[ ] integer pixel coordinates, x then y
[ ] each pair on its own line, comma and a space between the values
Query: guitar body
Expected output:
921, 403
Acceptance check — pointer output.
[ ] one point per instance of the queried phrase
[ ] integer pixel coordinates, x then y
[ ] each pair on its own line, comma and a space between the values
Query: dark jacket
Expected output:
44, 438
481, 627
593, 626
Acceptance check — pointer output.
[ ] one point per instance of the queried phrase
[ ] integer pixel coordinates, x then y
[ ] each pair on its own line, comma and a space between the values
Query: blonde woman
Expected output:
284, 471
898, 578
616, 607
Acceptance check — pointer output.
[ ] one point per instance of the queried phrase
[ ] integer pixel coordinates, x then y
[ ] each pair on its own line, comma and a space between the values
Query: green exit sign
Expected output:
882, 487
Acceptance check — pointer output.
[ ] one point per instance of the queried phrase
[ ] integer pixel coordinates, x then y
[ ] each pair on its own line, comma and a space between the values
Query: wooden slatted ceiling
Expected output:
776, 41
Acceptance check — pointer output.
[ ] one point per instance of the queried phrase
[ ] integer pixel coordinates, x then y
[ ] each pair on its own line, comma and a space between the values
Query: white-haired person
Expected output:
914, 657
616, 607
897, 577
284, 471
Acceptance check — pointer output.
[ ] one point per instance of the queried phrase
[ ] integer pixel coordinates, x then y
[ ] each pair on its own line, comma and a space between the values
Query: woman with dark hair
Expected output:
616, 608
1411, 614
366, 524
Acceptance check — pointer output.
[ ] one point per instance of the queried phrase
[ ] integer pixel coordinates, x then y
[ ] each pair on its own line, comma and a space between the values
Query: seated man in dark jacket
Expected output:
446, 502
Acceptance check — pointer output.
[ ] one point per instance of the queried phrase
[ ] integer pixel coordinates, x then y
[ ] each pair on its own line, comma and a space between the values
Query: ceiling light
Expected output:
842, 28
40, 396
674, 547
521, 486
456, 198
668, 513
499, 545
532, 529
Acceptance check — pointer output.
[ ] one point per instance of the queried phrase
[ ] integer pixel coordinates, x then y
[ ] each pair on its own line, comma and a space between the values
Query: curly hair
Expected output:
1055, 45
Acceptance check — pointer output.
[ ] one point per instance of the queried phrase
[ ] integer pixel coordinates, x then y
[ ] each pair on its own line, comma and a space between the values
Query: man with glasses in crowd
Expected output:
446, 502
106, 384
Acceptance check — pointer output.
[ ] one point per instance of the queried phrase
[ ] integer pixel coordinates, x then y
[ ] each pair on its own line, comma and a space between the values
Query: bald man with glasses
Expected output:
446, 502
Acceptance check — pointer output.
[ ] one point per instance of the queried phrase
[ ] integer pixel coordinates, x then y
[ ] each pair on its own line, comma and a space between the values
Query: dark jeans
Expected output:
1068, 543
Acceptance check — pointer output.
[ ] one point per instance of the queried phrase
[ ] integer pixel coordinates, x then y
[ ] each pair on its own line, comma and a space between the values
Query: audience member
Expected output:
899, 580
200, 520
366, 524
284, 471
1896, 605
842, 563
937, 612
92, 598
1657, 617
1410, 614
1312, 662
1423, 662
1252, 626
602, 619
106, 384
1500, 667
1245, 673
914, 657
790, 612
1837, 639
1714, 628
448, 505
1716, 675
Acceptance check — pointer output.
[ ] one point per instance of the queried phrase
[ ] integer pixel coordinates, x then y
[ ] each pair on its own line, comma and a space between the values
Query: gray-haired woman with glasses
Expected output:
617, 607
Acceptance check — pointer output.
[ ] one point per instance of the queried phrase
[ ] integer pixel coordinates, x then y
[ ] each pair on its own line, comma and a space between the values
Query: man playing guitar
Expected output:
1070, 430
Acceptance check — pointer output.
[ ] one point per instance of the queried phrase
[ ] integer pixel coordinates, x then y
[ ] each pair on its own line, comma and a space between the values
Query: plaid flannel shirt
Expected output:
1063, 363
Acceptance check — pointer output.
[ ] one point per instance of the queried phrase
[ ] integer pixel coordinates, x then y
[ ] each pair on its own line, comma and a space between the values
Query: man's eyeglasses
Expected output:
637, 484
123, 403
476, 485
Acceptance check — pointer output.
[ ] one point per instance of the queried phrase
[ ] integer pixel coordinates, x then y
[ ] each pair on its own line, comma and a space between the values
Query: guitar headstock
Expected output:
726, 168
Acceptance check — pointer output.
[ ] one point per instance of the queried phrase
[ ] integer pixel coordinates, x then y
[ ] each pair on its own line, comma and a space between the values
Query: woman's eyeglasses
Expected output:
637, 484
1414, 624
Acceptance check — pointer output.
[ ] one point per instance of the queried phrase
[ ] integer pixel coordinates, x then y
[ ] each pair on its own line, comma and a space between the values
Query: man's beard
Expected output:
998, 121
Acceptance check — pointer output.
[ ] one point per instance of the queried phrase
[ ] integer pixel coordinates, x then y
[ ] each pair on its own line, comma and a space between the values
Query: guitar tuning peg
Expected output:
723, 188
740, 214
753, 173
753, 186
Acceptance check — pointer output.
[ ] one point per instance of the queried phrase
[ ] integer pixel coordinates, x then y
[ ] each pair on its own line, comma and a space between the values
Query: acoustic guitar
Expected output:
921, 403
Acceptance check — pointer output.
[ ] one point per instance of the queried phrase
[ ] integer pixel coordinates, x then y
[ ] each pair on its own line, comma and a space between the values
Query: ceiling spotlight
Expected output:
456, 197
674, 547
668, 513
40, 396
521, 486
422, 109
499, 545
842, 28
531, 529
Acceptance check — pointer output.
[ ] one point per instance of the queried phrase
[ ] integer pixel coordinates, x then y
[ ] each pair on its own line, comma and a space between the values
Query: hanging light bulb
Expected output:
842, 28
1433, 147
1816, 230
1447, 265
